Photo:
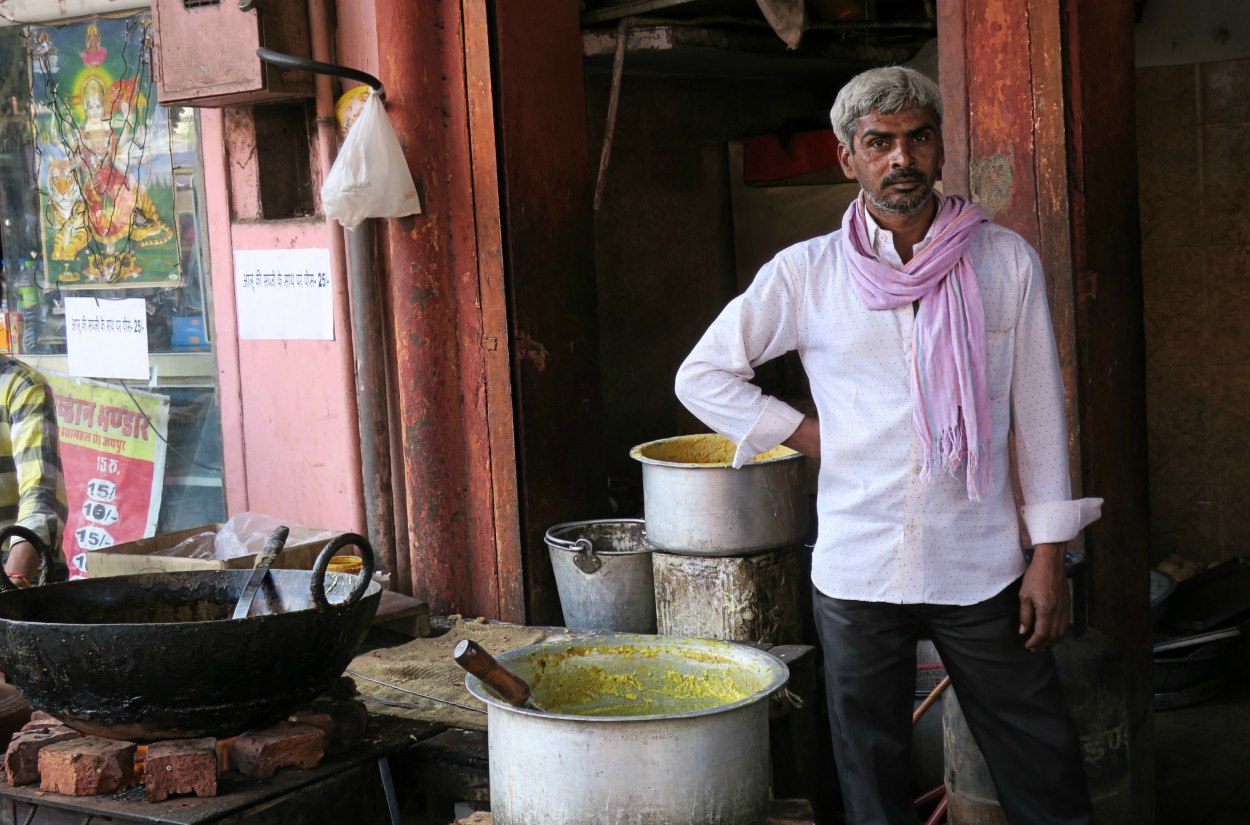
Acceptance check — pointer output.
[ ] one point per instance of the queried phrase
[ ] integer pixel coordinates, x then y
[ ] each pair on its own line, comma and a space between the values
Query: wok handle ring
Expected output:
45, 555
317, 587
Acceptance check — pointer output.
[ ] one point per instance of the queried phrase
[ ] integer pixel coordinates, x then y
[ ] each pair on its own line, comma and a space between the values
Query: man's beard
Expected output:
904, 203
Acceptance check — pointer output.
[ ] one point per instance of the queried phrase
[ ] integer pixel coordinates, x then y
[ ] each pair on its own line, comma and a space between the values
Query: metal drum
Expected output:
697, 504
1093, 683
603, 575
639, 729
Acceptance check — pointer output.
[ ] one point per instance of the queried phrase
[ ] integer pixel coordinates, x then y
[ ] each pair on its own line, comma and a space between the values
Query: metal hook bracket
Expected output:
586, 560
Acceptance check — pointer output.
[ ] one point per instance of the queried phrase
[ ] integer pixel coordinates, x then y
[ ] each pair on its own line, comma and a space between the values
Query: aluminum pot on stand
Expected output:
697, 504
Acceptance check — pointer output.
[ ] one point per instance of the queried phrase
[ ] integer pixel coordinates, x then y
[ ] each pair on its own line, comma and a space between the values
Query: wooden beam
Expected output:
548, 233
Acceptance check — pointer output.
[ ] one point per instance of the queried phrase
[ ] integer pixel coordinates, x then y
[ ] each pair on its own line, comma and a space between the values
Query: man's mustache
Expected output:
904, 175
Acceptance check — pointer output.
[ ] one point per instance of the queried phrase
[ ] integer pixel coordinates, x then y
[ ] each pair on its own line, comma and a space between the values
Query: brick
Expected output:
41, 718
260, 753
181, 766
344, 722
88, 766
344, 688
45, 724
21, 759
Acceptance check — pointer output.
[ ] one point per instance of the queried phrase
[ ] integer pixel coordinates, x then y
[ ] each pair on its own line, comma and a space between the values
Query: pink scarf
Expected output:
950, 395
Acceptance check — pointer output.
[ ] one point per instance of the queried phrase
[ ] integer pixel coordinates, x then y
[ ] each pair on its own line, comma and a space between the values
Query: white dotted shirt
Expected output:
884, 535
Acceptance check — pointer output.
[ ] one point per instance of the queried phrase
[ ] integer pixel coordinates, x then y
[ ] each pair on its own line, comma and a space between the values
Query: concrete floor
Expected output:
1203, 760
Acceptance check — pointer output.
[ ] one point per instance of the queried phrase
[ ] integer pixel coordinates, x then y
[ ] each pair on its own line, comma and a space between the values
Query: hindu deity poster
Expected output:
105, 171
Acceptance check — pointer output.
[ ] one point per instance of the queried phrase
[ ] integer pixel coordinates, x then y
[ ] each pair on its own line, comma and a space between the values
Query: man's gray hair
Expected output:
886, 91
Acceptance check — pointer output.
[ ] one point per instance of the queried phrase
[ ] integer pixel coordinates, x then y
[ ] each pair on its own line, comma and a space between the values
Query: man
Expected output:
32, 486
924, 331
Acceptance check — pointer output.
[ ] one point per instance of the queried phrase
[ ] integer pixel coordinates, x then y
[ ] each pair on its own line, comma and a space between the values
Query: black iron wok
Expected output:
157, 656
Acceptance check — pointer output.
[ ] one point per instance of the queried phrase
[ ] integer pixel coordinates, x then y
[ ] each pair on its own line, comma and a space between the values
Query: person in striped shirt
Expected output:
32, 484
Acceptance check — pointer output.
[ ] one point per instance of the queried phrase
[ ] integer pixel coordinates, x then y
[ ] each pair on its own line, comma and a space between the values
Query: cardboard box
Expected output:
136, 556
187, 334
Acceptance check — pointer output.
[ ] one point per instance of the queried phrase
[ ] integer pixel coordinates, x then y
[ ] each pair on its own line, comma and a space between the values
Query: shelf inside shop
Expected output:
604, 12
676, 48
173, 369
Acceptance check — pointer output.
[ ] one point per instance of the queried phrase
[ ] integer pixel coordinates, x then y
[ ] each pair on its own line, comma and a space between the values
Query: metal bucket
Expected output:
603, 575
698, 505
642, 731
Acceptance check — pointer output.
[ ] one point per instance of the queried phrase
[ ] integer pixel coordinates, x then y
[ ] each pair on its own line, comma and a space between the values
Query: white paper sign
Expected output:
283, 294
106, 339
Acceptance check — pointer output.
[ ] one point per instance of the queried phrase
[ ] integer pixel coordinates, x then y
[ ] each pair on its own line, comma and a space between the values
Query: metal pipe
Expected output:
372, 415
933, 696
290, 61
409, 691
327, 148
388, 788
614, 98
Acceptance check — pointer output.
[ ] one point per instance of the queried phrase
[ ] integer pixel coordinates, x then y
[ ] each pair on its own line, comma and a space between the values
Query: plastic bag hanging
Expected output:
370, 178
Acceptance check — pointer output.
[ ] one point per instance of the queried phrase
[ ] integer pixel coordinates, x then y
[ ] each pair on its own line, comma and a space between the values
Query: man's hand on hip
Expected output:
806, 439
1045, 604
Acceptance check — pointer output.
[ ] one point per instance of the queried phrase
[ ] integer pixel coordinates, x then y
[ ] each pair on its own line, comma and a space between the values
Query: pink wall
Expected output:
288, 408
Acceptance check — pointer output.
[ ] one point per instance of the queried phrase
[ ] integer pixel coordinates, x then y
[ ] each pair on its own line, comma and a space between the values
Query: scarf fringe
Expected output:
949, 453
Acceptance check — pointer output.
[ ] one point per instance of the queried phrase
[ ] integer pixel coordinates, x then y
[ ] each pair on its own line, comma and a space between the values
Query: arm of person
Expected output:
714, 382
40, 483
806, 438
1039, 423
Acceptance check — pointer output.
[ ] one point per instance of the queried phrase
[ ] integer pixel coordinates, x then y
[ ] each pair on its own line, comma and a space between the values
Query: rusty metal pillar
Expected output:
449, 335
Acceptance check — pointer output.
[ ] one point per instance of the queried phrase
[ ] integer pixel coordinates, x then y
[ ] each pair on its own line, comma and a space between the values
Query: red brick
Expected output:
181, 766
39, 718
86, 767
260, 753
344, 722
21, 760
344, 688
45, 725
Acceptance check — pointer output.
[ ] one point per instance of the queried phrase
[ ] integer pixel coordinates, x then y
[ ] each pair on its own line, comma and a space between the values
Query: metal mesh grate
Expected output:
195, 4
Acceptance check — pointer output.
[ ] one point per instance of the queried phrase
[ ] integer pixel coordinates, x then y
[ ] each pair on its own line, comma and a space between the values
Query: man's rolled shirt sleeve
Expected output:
1039, 421
714, 380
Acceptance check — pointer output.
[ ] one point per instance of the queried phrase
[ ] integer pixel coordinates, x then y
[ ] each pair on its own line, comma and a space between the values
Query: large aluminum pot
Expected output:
603, 574
697, 504
640, 730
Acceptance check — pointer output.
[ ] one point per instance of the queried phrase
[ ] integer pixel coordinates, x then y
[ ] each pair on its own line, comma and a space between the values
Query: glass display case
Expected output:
101, 195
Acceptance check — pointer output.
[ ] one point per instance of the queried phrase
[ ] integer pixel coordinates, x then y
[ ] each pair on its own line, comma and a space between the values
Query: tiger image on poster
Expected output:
66, 211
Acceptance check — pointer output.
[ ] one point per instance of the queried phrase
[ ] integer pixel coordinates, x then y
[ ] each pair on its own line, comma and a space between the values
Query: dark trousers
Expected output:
1011, 698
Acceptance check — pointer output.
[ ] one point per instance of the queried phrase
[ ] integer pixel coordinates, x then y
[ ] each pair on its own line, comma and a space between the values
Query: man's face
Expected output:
896, 159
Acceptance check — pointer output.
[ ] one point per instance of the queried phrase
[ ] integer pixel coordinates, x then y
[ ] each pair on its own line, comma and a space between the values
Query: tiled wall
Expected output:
1193, 132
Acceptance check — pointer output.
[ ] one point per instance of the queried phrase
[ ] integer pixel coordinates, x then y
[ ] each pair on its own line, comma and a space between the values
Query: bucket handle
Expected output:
586, 559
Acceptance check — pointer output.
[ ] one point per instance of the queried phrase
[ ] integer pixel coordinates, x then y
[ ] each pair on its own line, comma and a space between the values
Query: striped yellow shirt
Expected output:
32, 485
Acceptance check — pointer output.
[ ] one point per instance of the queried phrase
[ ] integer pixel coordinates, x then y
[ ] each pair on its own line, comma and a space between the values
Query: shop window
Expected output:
101, 196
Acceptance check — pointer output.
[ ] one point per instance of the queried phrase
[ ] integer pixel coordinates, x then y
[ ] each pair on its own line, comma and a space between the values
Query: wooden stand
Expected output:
734, 598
